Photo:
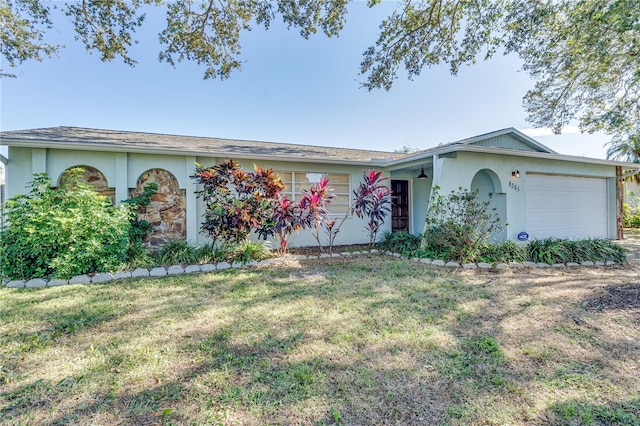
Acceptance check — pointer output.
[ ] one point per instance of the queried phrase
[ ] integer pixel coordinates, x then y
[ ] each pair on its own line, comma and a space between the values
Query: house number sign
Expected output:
514, 186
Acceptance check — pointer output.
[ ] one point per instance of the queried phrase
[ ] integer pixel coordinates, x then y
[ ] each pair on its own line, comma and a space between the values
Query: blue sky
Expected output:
290, 90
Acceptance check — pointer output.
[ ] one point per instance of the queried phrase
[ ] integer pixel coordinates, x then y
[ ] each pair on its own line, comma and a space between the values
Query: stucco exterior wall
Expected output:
449, 172
420, 191
18, 171
460, 171
353, 230
122, 171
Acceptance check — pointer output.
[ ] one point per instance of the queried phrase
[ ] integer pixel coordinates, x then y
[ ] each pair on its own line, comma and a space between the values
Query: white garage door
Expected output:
566, 206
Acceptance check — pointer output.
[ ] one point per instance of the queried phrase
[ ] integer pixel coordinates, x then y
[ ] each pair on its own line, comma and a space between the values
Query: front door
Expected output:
400, 206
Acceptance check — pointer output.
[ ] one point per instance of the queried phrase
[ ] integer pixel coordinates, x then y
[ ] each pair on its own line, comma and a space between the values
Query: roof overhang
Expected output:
426, 156
192, 153
418, 158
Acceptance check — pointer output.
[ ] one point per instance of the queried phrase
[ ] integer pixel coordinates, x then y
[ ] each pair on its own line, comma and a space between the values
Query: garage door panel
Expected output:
566, 206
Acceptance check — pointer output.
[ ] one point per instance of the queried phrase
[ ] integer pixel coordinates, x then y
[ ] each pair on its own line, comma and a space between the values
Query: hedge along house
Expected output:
534, 189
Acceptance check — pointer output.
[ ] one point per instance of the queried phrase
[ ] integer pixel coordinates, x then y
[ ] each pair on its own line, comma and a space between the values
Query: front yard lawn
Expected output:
363, 341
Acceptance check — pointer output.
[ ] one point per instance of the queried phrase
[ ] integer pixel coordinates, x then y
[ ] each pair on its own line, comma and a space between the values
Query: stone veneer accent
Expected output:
94, 178
167, 211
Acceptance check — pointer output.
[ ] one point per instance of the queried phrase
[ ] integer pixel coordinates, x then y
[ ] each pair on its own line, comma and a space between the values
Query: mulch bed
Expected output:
626, 296
618, 297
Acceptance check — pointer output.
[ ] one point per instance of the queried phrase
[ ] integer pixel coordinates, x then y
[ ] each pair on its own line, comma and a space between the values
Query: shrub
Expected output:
290, 216
554, 250
140, 229
248, 251
457, 225
503, 252
61, 232
550, 250
139, 255
237, 203
630, 217
174, 252
401, 242
372, 200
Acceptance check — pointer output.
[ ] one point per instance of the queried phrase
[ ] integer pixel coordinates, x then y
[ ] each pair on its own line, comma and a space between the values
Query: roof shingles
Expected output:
136, 141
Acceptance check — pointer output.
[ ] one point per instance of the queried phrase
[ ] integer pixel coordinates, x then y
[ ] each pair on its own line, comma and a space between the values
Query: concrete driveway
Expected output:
632, 242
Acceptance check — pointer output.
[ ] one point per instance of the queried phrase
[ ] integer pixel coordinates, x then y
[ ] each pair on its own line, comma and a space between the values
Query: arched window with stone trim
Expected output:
94, 178
167, 211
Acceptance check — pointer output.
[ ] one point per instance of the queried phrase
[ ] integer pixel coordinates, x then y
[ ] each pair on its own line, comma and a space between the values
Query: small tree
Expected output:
291, 217
62, 231
457, 225
238, 203
372, 201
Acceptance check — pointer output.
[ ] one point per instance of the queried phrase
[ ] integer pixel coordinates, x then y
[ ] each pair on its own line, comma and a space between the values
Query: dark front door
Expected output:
400, 206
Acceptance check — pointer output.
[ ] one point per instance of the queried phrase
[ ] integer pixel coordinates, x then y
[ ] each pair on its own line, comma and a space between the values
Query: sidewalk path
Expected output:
632, 242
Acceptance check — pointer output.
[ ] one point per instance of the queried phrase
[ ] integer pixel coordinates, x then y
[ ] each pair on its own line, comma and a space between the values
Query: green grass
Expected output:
343, 342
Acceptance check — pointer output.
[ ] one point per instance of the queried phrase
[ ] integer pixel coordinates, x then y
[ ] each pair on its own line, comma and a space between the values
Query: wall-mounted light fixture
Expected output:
422, 175
515, 174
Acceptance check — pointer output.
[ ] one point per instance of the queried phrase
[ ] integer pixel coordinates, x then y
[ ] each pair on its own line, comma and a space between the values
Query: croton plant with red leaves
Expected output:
237, 202
311, 209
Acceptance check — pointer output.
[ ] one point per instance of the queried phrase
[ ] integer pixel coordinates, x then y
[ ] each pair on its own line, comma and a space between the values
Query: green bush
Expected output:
244, 252
140, 229
555, 250
503, 252
174, 252
443, 242
630, 217
401, 242
550, 250
139, 255
237, 203
61, 232
457, 225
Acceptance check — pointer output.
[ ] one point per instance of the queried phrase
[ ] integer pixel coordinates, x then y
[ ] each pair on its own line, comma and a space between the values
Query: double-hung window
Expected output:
297, 182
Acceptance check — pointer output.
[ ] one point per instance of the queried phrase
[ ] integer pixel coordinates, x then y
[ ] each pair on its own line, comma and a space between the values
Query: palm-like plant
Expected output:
628, 150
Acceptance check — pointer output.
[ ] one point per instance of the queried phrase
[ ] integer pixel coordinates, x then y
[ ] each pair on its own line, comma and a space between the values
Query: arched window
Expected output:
167, 211
95, 178
487, 182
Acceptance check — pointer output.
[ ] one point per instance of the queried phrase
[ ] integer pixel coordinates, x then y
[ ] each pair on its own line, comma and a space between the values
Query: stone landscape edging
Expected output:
161, 271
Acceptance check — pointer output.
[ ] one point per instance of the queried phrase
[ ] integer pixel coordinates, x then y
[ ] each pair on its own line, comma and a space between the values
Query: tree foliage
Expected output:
107, 26
23, 24
628, 150
206, 32
425, 33
583, 55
